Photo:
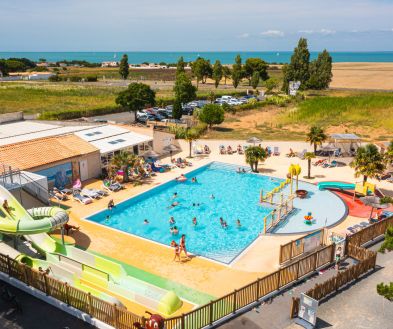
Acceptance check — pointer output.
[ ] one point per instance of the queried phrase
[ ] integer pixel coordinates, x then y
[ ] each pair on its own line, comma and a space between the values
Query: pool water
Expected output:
236, 197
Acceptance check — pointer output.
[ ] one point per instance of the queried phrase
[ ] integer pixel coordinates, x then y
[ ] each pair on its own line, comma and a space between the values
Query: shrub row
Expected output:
73, 78
75, 114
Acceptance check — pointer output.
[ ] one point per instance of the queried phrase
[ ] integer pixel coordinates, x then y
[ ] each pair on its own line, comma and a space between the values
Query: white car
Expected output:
234, 102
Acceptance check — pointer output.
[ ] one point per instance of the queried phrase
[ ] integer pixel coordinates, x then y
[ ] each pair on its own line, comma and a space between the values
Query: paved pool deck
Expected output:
201, 274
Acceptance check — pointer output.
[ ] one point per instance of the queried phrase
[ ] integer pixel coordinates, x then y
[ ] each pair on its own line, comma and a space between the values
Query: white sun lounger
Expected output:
82, 199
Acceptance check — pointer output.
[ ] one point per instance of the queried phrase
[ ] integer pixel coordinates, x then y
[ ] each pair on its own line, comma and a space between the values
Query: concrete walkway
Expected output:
358, 306
34, 314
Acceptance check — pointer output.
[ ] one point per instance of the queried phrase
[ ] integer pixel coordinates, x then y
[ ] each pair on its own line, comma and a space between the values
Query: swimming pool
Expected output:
236, 196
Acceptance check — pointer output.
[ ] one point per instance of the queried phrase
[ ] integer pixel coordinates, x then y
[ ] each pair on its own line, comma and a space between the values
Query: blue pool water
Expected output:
236, 197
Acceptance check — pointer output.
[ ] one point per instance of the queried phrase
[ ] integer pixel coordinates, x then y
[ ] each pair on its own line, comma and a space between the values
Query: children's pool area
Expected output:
236, 197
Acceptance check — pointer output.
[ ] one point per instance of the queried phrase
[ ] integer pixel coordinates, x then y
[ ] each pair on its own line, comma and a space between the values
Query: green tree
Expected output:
212, 114
217, 73
368, 162
271, 84
309, 156
42, 60
388, 242
316, 136
253, 65
237, 71
255, 80
389, 153
385, 290
136, 97
191, 135
321, 71
180, 66
227, 73
3, 67
124, 69
184, 90
123, 161
177, 109
298, 69
254, 155
201, 69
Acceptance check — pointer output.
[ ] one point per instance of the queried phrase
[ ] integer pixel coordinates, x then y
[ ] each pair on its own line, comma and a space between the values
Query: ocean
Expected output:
172, 57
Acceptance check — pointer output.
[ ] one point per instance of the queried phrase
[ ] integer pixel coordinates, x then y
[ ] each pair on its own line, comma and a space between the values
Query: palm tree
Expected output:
368, 162
123, 161
389, 154
316, 136
253, 155
191, 135
308, 156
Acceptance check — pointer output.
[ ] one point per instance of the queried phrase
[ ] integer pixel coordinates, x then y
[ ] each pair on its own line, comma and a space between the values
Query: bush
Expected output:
91, 78
388, 243
74, 78
54, 78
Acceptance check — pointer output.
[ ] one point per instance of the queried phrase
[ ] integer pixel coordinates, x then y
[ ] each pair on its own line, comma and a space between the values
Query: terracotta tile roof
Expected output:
42, 151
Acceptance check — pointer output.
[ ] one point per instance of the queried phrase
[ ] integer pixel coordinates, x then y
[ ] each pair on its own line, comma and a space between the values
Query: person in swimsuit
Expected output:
6, 207
174, 230
222, 222
238, 223
145, 222
173, 205
174, 195
183, 245
194, 221
172, 220
111, 205
177, 250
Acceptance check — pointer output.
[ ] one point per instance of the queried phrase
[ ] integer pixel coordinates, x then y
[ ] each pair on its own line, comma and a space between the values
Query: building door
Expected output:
83, 170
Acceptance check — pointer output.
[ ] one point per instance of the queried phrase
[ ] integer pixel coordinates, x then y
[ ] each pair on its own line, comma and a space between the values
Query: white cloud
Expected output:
326, 32
273, 33
244, 36
306, 31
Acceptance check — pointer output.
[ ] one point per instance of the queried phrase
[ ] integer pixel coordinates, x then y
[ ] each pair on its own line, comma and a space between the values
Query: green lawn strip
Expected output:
182, 291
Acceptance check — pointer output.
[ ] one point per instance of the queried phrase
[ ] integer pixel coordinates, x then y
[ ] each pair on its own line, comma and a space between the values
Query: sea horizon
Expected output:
226, 57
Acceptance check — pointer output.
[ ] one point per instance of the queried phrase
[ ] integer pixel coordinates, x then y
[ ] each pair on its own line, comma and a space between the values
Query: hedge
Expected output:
75, 114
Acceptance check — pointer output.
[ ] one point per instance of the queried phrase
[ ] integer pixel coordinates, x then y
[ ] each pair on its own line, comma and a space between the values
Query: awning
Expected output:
345, 137
119, 142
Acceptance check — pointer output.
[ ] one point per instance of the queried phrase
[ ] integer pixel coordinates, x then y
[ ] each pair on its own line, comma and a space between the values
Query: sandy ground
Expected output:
363, 76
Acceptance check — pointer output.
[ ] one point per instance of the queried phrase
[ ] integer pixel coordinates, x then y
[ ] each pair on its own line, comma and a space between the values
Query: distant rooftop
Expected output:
345, 137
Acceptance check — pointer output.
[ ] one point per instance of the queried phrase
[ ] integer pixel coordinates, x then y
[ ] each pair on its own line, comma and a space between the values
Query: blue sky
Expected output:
194, 25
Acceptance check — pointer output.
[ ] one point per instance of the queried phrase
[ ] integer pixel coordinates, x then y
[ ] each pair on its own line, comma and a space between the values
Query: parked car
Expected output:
234, 102
187, 110
163, 113
143, 118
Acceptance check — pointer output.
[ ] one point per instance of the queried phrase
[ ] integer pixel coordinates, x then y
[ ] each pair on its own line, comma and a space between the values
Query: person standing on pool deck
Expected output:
111, 205
182, 244
177, 250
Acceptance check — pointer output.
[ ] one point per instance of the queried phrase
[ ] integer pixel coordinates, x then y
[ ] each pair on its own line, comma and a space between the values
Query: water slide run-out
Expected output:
336, 185
101, 277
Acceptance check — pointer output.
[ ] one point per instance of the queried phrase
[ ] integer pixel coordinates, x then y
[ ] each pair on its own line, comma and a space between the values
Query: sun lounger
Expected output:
62, 191
276, 151
111, 186
90, 193
82, 199
58, 196
302, 154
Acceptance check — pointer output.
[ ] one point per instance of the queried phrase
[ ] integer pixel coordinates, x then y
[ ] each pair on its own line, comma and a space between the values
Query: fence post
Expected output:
234, 301
115, 321
25, 274
278, 279
89, 304
333, 250
67, 296
47, 289
183, 324
211, 312
9, 265
257, 291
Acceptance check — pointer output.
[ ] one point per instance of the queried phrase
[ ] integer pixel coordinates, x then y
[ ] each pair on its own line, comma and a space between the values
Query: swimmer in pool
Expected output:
173, 205
145, 222
194, 180
172, 220
175, 230
194, 221
107, 218
222, 222
238, 223
212, 197
174, 195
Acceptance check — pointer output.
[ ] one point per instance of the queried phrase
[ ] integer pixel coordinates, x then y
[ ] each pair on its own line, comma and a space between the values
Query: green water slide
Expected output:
80, 268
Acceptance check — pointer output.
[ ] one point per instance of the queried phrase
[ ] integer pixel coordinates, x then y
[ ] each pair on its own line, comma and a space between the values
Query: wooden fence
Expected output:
367, 261
369, 233
295, 248
215, 310
85, 302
